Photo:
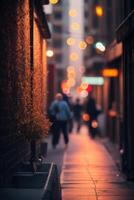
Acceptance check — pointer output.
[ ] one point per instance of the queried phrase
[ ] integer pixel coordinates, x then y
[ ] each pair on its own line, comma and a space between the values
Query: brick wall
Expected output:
39, 70
15, 81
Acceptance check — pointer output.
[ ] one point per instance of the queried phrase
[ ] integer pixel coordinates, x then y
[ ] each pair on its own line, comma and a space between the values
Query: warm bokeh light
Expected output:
110, 72
99, 11
84, 86
49, 53
72, 13
100, 46
73, 56
71, 82
78, 90
71, 75
82, 45
53, 1
112, 113
84, 93
75, 26
86, 117
64, 85
94, 124
70, 69
89, 40
70, 41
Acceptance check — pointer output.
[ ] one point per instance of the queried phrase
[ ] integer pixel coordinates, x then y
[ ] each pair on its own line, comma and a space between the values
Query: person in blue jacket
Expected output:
61, 113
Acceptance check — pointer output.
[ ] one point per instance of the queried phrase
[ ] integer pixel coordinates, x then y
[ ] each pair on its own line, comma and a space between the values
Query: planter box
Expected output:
42, 185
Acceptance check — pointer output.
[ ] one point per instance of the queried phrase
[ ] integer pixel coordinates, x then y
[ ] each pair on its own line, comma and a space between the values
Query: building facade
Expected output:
60, 29
125, 35
119, 94
23, 77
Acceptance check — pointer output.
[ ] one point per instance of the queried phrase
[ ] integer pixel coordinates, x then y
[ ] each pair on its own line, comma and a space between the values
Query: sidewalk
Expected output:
89, 172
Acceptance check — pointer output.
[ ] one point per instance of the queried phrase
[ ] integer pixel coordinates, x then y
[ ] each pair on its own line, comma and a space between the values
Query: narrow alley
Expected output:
66, 100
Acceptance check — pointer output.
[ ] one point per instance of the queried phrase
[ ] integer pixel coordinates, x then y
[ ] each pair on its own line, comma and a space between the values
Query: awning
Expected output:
125, 28
41, 18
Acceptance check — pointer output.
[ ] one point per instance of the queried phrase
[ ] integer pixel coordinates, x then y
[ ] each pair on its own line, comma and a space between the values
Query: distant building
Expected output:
95, 31
60, 33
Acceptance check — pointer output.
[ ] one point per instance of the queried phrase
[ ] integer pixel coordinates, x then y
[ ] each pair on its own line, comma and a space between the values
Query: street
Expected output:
88, 172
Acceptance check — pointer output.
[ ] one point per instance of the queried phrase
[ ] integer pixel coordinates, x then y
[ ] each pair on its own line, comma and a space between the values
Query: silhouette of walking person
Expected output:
77, 110
61, 113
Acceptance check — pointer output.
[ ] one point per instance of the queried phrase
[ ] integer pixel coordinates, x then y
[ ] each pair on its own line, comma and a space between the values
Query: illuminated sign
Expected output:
99, 11
93, 80
110, 72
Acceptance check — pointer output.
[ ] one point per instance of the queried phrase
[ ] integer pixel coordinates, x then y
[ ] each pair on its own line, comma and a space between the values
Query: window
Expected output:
58, 58
57, 29
58, 15
86, 14
57, 43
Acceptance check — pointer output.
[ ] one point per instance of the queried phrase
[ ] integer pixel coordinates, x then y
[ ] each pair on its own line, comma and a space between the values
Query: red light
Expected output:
89, 88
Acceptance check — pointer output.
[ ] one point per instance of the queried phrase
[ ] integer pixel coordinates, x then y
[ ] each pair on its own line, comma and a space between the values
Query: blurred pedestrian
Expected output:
92, 111
68, 99
61, 113
71, 119
77, 110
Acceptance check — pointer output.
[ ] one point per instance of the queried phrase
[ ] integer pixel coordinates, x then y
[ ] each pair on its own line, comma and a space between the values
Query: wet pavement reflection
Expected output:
88, 172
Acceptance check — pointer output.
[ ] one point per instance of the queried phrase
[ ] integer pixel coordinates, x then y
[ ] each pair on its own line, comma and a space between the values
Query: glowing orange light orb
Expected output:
82, 45
53, 1
75, 26
86, 117
71, 82
94, 124
72, 13
84, 86
78, 90
71, 75
70, 41
73, 56
99, 11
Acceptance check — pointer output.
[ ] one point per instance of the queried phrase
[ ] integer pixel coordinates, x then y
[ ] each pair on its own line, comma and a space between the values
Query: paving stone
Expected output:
88, 171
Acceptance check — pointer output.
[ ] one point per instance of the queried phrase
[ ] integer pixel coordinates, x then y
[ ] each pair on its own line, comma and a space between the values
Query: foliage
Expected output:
35, 127
27, 81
